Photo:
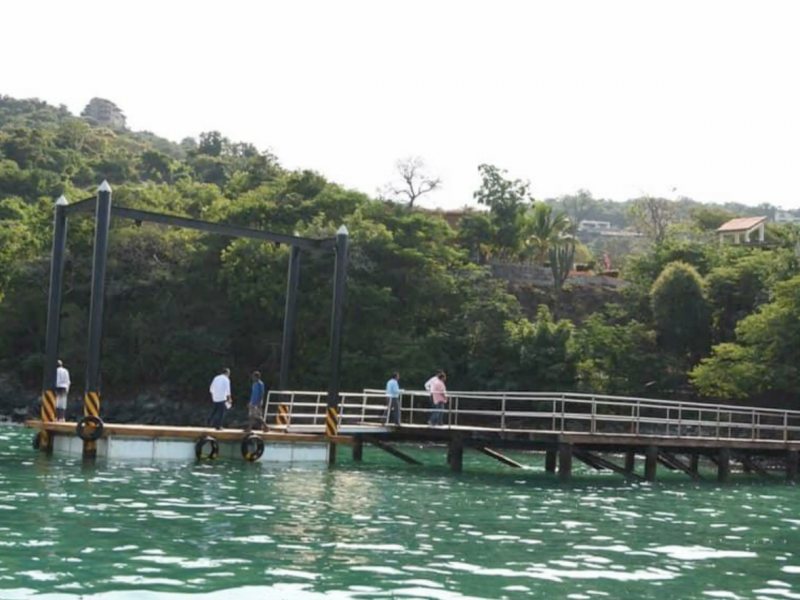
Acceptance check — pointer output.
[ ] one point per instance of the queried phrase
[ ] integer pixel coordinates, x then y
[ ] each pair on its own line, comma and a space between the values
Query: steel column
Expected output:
91, 400
289, 316
57, 256
337, 326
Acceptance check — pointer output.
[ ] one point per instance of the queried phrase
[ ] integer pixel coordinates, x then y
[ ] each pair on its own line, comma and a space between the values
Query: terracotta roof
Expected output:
741, 224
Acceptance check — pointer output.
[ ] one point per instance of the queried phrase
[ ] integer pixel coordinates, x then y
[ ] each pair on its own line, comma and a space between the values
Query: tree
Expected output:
541, 356
577, 205
545, 229
680, 311
652, 217
507, 199
415, 181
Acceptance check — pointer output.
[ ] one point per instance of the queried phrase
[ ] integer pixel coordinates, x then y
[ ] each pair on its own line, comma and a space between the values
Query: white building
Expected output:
784, 216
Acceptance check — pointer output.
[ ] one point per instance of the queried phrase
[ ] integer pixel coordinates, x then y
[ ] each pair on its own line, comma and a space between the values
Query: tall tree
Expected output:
680, 311
415, 181
652, 217
507, 199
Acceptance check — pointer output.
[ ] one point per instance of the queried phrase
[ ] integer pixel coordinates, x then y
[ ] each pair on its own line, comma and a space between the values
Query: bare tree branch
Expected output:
415, 181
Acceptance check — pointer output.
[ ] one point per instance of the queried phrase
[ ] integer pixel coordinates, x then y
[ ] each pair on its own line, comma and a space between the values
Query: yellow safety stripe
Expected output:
282, 418
48, 406
91, 404
332, 422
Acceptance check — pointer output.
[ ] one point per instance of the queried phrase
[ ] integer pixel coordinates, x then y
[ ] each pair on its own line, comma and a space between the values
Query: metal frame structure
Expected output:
103, 210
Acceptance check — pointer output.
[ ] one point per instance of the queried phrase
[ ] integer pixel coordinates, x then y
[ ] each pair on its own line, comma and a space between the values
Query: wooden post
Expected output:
358, 448
694, 466
455, 454
650, 463
564, 462
791, 465
550, 461
630, 461
723, 464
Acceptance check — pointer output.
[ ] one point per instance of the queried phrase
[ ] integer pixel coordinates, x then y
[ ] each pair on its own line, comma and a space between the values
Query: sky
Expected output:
623, 98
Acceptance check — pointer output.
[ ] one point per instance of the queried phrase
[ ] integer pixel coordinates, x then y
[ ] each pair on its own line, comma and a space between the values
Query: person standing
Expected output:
429, 389
220, 397
393, 399
62, 391
439, 395
257, 394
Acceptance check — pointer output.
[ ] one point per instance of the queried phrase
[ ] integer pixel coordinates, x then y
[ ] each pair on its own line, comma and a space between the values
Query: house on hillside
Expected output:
104, 112
741, 229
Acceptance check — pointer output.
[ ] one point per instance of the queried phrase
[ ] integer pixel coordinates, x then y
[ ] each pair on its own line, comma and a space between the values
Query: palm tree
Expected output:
544, 230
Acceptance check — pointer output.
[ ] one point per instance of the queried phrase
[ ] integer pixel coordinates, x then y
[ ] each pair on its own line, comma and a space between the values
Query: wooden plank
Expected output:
598, 462
748, 462
176, 432
674, 463
498, 456
393, 451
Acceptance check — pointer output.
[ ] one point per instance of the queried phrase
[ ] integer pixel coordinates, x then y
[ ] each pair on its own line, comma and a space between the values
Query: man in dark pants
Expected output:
221, 398
257, 394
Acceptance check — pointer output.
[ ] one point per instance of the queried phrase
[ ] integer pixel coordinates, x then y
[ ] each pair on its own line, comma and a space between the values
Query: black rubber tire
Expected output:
96, 433
200, 445
252, 454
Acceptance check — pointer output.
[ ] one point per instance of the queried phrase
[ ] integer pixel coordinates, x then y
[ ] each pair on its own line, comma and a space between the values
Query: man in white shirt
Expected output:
62, 390
220, 397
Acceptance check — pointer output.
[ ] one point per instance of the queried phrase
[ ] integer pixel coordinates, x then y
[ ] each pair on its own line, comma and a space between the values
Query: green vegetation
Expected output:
696, 318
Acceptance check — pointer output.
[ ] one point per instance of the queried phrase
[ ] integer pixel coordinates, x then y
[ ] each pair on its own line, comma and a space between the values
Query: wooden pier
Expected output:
604, 432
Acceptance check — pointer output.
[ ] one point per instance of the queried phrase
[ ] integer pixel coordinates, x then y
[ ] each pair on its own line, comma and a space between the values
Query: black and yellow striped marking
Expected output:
282, 418
332, 422
91, 404
48, 406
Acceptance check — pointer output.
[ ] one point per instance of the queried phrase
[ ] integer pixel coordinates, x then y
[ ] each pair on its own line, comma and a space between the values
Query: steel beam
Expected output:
220, 228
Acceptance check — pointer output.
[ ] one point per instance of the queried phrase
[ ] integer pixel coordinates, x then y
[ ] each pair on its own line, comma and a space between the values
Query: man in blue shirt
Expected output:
257, 394
393, 399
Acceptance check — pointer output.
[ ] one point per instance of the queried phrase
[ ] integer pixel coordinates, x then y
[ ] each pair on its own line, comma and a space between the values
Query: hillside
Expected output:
180, 305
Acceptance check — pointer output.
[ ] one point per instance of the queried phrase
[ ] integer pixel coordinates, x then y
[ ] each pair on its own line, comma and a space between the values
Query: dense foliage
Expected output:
696, 318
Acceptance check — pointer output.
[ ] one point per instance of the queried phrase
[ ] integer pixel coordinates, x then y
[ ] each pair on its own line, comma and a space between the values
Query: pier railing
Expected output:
548, 412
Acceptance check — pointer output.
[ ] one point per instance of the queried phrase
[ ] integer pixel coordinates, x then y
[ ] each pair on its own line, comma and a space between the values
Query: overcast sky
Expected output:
618, 97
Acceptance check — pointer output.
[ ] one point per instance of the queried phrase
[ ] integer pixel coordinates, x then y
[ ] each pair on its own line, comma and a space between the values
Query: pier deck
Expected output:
674, 434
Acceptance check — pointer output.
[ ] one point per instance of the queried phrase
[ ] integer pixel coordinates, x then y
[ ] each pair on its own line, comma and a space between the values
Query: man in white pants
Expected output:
62, 390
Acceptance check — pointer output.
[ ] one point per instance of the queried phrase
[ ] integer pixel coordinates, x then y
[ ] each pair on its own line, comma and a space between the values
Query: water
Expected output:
382, 530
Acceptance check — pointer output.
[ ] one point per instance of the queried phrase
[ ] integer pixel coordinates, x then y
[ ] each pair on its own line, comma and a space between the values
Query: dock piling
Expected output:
550, 459
650, 463
564, 462
358, 448
723, 464
455, 454
630, 461
791, 465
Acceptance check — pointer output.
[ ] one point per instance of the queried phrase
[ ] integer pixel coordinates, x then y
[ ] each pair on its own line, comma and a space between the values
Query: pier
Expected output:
629, 436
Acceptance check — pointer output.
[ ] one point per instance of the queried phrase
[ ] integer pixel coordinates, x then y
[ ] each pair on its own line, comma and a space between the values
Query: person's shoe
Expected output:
218, 428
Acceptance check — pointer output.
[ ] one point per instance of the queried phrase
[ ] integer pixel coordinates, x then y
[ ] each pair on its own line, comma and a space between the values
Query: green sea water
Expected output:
382, 529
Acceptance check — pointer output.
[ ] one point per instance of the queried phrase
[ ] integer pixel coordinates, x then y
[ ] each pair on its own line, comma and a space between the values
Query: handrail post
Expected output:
503, 414
718, 420
785, 426
680, 418
593, 424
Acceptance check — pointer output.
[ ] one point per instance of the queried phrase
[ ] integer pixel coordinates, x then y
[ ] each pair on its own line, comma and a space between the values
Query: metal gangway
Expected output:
536, 413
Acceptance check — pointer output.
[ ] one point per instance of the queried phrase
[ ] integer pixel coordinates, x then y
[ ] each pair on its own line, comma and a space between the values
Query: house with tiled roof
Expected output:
740, 230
